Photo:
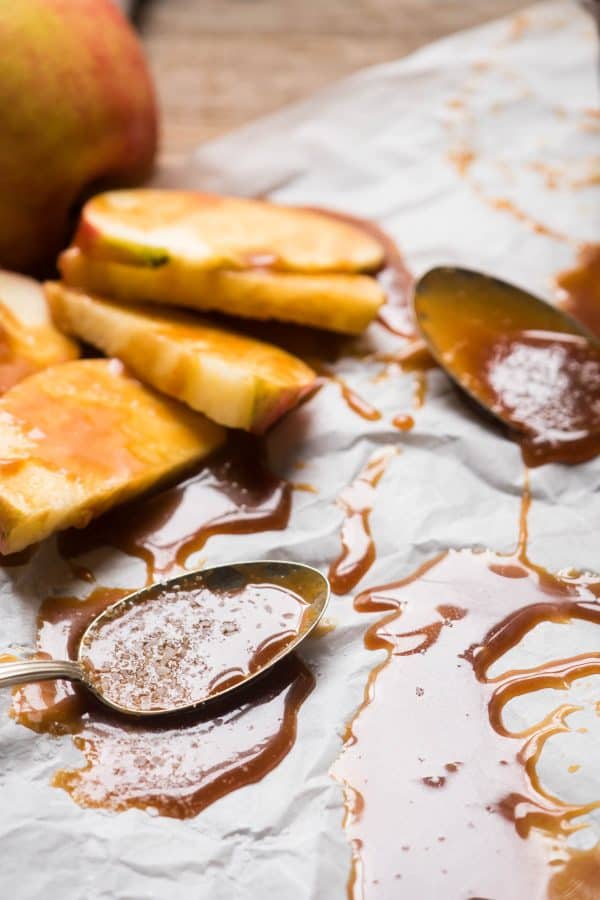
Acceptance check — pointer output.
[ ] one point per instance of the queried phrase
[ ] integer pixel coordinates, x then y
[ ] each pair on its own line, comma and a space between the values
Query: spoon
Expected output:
177, 644
530, 365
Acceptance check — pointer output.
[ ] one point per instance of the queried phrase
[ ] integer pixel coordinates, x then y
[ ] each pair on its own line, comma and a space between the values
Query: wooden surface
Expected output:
221, 63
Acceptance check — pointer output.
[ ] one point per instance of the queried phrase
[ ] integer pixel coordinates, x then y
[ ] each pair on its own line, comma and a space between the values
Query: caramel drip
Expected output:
403, 422
396, 315
358, 548
444, 628
355, 402
580, 288
503, 204
233, 494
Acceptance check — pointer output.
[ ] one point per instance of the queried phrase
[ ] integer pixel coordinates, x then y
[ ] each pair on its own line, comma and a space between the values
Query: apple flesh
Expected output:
77, 111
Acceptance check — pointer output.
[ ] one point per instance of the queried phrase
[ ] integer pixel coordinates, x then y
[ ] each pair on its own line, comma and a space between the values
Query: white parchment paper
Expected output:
386, 144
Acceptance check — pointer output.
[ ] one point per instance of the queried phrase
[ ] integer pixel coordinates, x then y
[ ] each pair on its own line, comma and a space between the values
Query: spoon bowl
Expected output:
176, 645
527, 363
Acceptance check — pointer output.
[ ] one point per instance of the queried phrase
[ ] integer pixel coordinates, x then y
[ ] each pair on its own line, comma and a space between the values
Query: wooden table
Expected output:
221, 63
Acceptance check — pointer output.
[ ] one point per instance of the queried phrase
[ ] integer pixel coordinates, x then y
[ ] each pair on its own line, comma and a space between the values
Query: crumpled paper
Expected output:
388, 143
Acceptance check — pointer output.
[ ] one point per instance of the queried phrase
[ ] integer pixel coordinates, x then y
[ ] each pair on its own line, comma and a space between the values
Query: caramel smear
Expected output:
432, 717
395, 278
355, 402
580, 288
176, 766
358, 548
234, 493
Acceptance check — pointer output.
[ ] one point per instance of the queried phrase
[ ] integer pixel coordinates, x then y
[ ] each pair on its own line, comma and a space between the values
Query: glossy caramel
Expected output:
80, 437
357, 500
439, 793
180, 767
175, 767
396, 314
28, 340
530, 366
234, 493
580, 288
167, 649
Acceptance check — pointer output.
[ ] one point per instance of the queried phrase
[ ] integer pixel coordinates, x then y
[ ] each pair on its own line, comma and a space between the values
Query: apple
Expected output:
77, 113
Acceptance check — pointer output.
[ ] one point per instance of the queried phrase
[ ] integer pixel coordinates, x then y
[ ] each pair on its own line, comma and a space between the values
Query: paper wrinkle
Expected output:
378, 145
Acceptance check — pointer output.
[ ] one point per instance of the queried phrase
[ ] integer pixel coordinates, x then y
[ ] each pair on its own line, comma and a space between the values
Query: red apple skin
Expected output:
77, 112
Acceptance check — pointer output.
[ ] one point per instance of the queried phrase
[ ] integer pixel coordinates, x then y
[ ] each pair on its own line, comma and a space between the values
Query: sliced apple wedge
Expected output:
83, 436
204, 231
236, 380
28, 340
342, 303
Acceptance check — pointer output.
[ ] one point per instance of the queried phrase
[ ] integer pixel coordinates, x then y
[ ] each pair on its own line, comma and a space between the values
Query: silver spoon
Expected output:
186, 620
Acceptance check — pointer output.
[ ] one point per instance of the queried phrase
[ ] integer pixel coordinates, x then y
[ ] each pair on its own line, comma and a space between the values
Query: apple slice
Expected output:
83, 436
343, 303
236, 380
28, 339
153, 228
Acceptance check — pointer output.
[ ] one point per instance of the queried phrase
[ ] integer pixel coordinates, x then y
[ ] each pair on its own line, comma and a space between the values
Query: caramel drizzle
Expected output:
234, 493
537, 809
395, 278
358, 549
355, 402
580, 288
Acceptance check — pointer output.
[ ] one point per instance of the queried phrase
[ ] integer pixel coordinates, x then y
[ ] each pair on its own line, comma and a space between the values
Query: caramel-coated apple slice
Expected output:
83, 436
28, 340
154, 228
236, 380
341, 303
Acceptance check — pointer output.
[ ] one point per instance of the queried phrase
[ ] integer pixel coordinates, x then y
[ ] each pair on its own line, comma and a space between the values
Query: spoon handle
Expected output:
38, 670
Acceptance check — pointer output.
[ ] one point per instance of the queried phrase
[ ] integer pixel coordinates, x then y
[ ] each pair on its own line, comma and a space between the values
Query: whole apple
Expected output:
77, 113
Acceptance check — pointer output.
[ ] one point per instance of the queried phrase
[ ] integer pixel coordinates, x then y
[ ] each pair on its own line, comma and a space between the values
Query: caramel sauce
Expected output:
433, 794
420, 392
234, 493
580, 288
462, 159
396, 314
548, 387
95, 430
12, 367
20, 558
355, 402
175, 766
167, 649
304, 486
505, 205
415, 357
180, 767
579, 879
22, 349
520, 359
403, 422
358, 548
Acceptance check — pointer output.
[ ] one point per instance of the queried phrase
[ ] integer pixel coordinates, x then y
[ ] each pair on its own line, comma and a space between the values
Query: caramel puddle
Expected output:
234, 493
438, 790
176, 766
